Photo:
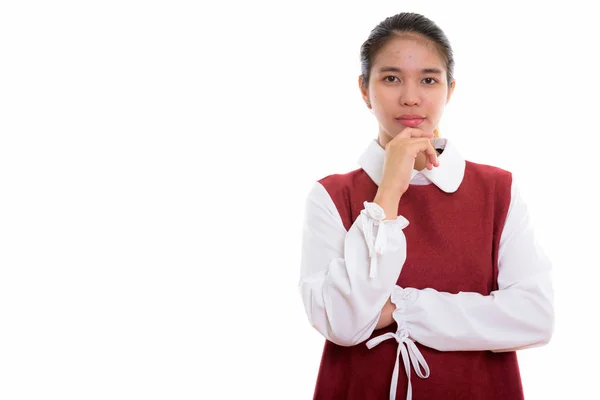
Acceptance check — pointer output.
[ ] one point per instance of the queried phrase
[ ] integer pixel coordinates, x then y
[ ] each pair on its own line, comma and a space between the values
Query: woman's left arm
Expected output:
520, 314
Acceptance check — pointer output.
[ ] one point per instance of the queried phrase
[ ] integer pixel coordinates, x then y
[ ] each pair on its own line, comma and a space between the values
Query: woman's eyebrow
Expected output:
424, 70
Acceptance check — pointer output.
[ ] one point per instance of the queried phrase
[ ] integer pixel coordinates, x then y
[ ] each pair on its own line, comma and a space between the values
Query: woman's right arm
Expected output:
347, 277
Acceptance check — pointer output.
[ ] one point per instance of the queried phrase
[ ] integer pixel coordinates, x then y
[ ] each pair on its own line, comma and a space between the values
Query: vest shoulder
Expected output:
337, 182
487, 172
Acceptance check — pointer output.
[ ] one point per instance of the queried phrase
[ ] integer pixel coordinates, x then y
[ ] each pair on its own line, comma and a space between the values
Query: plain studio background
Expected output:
155, 158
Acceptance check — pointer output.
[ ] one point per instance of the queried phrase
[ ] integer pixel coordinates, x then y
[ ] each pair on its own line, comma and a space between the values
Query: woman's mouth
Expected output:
412, 122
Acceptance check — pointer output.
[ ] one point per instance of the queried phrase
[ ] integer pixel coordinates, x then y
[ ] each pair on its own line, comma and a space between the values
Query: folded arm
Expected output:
347, 276
520, 314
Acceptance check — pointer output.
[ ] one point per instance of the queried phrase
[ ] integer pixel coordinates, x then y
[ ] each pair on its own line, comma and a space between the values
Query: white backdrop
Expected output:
155, 158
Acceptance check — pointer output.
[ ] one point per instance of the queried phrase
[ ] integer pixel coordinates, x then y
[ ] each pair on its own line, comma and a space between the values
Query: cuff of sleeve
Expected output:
376, 231
402, 298
375, 212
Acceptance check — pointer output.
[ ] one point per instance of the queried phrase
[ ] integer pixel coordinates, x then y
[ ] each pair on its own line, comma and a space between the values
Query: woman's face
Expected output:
408, 77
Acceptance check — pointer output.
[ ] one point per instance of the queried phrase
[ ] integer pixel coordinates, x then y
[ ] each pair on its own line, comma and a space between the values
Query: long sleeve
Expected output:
518, 315
347, 276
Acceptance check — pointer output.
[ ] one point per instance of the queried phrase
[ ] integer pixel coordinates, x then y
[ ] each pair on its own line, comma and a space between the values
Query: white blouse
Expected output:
347, 277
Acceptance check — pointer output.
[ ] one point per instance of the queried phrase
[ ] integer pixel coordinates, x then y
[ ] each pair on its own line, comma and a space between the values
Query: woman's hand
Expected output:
387, 314
400, 155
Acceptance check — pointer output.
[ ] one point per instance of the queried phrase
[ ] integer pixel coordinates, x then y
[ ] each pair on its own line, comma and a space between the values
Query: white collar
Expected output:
448, 176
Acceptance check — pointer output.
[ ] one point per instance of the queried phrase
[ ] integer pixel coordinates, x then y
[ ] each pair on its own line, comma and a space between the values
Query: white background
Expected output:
155, 158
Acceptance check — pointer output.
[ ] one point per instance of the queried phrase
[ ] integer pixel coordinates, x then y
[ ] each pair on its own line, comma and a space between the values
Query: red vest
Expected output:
452, 246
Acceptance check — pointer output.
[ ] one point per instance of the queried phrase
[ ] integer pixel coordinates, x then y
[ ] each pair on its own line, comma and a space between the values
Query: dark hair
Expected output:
405, 23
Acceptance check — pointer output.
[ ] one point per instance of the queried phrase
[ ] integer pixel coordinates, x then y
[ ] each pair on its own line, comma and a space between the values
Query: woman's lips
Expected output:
412, 122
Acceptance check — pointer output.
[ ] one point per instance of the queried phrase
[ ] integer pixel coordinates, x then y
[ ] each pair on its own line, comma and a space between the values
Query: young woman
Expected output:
420, 264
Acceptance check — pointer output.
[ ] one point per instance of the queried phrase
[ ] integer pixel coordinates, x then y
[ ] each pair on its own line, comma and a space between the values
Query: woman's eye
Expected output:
387, 79
430, 79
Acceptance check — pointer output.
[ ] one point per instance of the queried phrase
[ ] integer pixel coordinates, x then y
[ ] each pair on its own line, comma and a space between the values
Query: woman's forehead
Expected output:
408, 51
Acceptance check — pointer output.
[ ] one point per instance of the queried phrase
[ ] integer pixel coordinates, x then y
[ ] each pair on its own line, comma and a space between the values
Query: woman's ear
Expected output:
450, 90
364, 91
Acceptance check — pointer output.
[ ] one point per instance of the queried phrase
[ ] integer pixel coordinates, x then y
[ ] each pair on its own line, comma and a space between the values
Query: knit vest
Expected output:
452, 246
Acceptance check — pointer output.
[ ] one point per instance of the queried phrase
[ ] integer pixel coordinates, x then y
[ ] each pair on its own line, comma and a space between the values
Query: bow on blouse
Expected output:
409, 350
376, 246
377, 243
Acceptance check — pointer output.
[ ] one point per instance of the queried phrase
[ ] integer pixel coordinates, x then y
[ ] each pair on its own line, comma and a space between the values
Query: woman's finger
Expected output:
430, 153
409, 132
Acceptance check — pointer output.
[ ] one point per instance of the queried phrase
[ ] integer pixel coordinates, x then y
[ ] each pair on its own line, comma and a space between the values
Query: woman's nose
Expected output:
409, 96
